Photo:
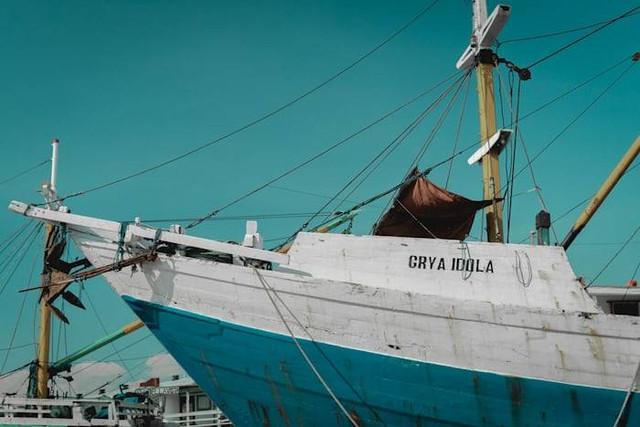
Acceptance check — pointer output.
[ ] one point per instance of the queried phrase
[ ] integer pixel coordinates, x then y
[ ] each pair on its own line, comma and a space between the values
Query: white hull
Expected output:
525, 316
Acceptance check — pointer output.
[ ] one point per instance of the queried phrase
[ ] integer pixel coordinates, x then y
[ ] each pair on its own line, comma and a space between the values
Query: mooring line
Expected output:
627, 399
268, 288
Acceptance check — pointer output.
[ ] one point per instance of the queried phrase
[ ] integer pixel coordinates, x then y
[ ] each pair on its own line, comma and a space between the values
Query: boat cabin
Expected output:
616, 299
183, 403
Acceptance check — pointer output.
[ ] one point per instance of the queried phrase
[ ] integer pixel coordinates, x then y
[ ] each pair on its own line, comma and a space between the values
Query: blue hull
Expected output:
260, 378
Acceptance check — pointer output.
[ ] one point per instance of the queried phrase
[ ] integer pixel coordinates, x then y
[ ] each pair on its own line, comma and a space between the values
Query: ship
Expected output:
412, 325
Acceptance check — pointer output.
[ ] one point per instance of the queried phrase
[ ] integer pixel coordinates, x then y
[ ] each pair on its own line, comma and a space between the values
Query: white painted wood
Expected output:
605, 295
492, 26
19, 411
401, 317
361, 292
63, 217
502, 135
109, 231
485, 31
385, 262
212, 245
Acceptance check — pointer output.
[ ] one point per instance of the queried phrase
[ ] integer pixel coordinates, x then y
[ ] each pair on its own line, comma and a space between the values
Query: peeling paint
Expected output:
562, 357
276, 396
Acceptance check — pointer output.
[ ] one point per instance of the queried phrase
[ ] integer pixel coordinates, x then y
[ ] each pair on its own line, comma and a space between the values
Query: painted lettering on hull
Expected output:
471, 265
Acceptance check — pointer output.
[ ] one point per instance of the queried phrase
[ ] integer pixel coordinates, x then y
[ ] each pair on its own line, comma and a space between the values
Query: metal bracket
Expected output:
497, 142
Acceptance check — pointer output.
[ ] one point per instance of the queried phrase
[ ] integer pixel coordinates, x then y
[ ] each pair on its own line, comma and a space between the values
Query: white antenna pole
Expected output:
54, 164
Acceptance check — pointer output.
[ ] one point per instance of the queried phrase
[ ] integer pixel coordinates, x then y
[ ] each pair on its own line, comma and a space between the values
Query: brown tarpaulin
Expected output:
422, 209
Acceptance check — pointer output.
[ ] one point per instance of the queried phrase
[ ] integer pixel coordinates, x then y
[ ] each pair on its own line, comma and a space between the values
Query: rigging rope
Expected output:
235, 217
510, 174
16, 347
10, 239
13, 334
18, 175
267, 289
84, 368
262, 118
308, 334
438, 126
459, 128
417, 220
427, 142
6, 374
215, 212
575, 119
320, 154
113, 345
308, 193
579, 39
614, 256
392, 189
620, 419
15, 329
576, 206
561, 32
395, 143
401, 137
573, 89
24, 246
112, 380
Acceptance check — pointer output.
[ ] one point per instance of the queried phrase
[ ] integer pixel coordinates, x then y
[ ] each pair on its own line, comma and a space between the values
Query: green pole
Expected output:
64, 364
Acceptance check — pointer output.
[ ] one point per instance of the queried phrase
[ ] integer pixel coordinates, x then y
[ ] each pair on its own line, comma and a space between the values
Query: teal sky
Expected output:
125, 85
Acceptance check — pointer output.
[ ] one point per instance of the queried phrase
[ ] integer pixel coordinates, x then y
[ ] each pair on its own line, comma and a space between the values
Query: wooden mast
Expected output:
44, 341
491, 161
487, 113
615, 175
49, 191
480, 56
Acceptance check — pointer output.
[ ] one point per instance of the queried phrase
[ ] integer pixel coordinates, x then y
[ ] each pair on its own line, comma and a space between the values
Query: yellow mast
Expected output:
603, 192
49, 192
48, 293
491, 161
479, 55
44, 340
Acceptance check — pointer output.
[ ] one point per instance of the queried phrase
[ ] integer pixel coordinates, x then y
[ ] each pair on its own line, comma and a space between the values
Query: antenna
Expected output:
54, 164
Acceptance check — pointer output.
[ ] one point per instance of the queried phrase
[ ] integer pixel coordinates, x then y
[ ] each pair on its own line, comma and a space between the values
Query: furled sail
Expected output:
422, 209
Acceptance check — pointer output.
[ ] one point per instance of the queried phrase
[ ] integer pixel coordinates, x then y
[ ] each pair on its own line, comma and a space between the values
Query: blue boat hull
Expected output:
260, 378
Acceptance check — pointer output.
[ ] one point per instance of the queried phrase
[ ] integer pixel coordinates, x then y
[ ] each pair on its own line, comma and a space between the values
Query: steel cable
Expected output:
579, 39
260, 119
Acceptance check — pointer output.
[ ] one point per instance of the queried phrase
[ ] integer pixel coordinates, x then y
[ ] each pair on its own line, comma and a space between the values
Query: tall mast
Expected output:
607, 186
49, 192
488, 127
480, 56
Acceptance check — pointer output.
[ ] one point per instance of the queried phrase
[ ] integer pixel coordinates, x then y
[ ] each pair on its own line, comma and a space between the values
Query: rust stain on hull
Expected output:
259, 413
276, 396
516, 394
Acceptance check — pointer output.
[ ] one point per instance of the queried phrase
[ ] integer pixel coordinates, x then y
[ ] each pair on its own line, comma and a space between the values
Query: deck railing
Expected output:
210, 418
72, 412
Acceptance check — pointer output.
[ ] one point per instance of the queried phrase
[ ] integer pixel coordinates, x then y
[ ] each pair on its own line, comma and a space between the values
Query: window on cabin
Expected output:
204, 403
628, 308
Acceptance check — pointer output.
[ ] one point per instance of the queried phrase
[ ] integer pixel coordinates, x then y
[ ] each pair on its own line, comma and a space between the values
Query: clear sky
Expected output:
125, 85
